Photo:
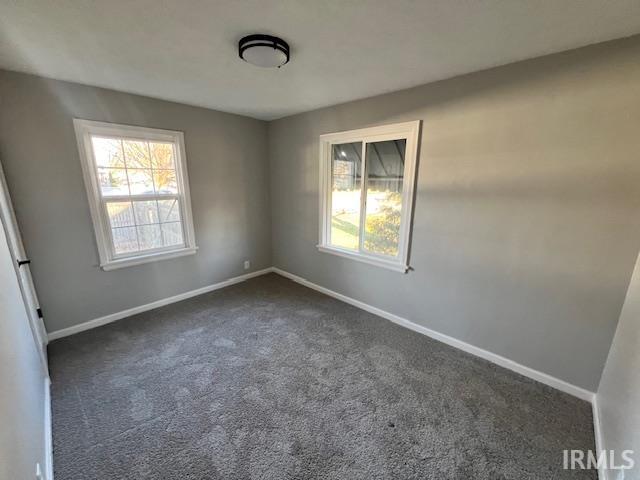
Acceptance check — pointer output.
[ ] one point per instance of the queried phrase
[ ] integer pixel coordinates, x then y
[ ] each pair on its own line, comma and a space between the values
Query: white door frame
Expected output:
16, 247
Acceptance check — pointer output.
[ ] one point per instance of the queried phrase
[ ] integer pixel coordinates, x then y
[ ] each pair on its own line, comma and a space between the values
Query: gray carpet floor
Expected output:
270, 380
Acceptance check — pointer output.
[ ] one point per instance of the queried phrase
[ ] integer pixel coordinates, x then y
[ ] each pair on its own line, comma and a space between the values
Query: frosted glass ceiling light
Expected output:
264, 51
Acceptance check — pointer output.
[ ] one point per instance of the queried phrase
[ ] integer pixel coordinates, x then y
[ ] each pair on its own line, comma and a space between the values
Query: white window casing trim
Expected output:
108, 260
360, 257
148, 257
410, 131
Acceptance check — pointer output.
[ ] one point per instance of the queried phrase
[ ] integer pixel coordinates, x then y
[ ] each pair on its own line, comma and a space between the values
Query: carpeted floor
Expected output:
270, 380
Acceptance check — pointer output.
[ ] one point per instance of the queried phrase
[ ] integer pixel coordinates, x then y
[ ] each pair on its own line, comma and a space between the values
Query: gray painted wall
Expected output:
522, 241
528, 192
227, 165
619, 391
22, 379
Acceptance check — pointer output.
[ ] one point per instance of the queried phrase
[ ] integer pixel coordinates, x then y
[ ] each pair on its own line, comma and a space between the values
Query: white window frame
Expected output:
409, 131
109, 260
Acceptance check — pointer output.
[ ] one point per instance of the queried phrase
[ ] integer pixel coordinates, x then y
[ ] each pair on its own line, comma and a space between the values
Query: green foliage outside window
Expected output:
383, 228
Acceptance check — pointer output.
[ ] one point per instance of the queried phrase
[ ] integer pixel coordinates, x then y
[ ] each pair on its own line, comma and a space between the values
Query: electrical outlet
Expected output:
39, 474
247, 264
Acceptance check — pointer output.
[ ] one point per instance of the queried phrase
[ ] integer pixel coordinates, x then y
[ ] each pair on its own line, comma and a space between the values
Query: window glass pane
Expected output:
149, 237
346, 184
165, 181
172, 233
113, 181
125, 240
107, 152
120, 214
141, 181
169, 210
385, 174
136, 154
146, 212
161, 155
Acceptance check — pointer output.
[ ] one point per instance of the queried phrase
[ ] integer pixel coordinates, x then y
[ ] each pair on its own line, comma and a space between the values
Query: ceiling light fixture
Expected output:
264, 50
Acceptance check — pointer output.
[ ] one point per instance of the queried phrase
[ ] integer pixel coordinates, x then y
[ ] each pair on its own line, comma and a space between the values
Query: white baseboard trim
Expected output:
65, 332
454, 342
602, 472
492, 357
48, 439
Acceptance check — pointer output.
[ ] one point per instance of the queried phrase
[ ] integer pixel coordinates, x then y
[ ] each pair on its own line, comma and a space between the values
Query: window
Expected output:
136, 180
366, 194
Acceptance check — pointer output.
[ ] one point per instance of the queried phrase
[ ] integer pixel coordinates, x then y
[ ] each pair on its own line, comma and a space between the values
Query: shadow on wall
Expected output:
521, 235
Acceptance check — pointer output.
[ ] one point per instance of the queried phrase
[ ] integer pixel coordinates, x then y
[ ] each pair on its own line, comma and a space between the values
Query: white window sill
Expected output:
396, 266
151, 257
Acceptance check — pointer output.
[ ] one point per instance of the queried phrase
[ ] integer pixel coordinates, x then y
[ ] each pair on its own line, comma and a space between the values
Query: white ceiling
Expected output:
186, 50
